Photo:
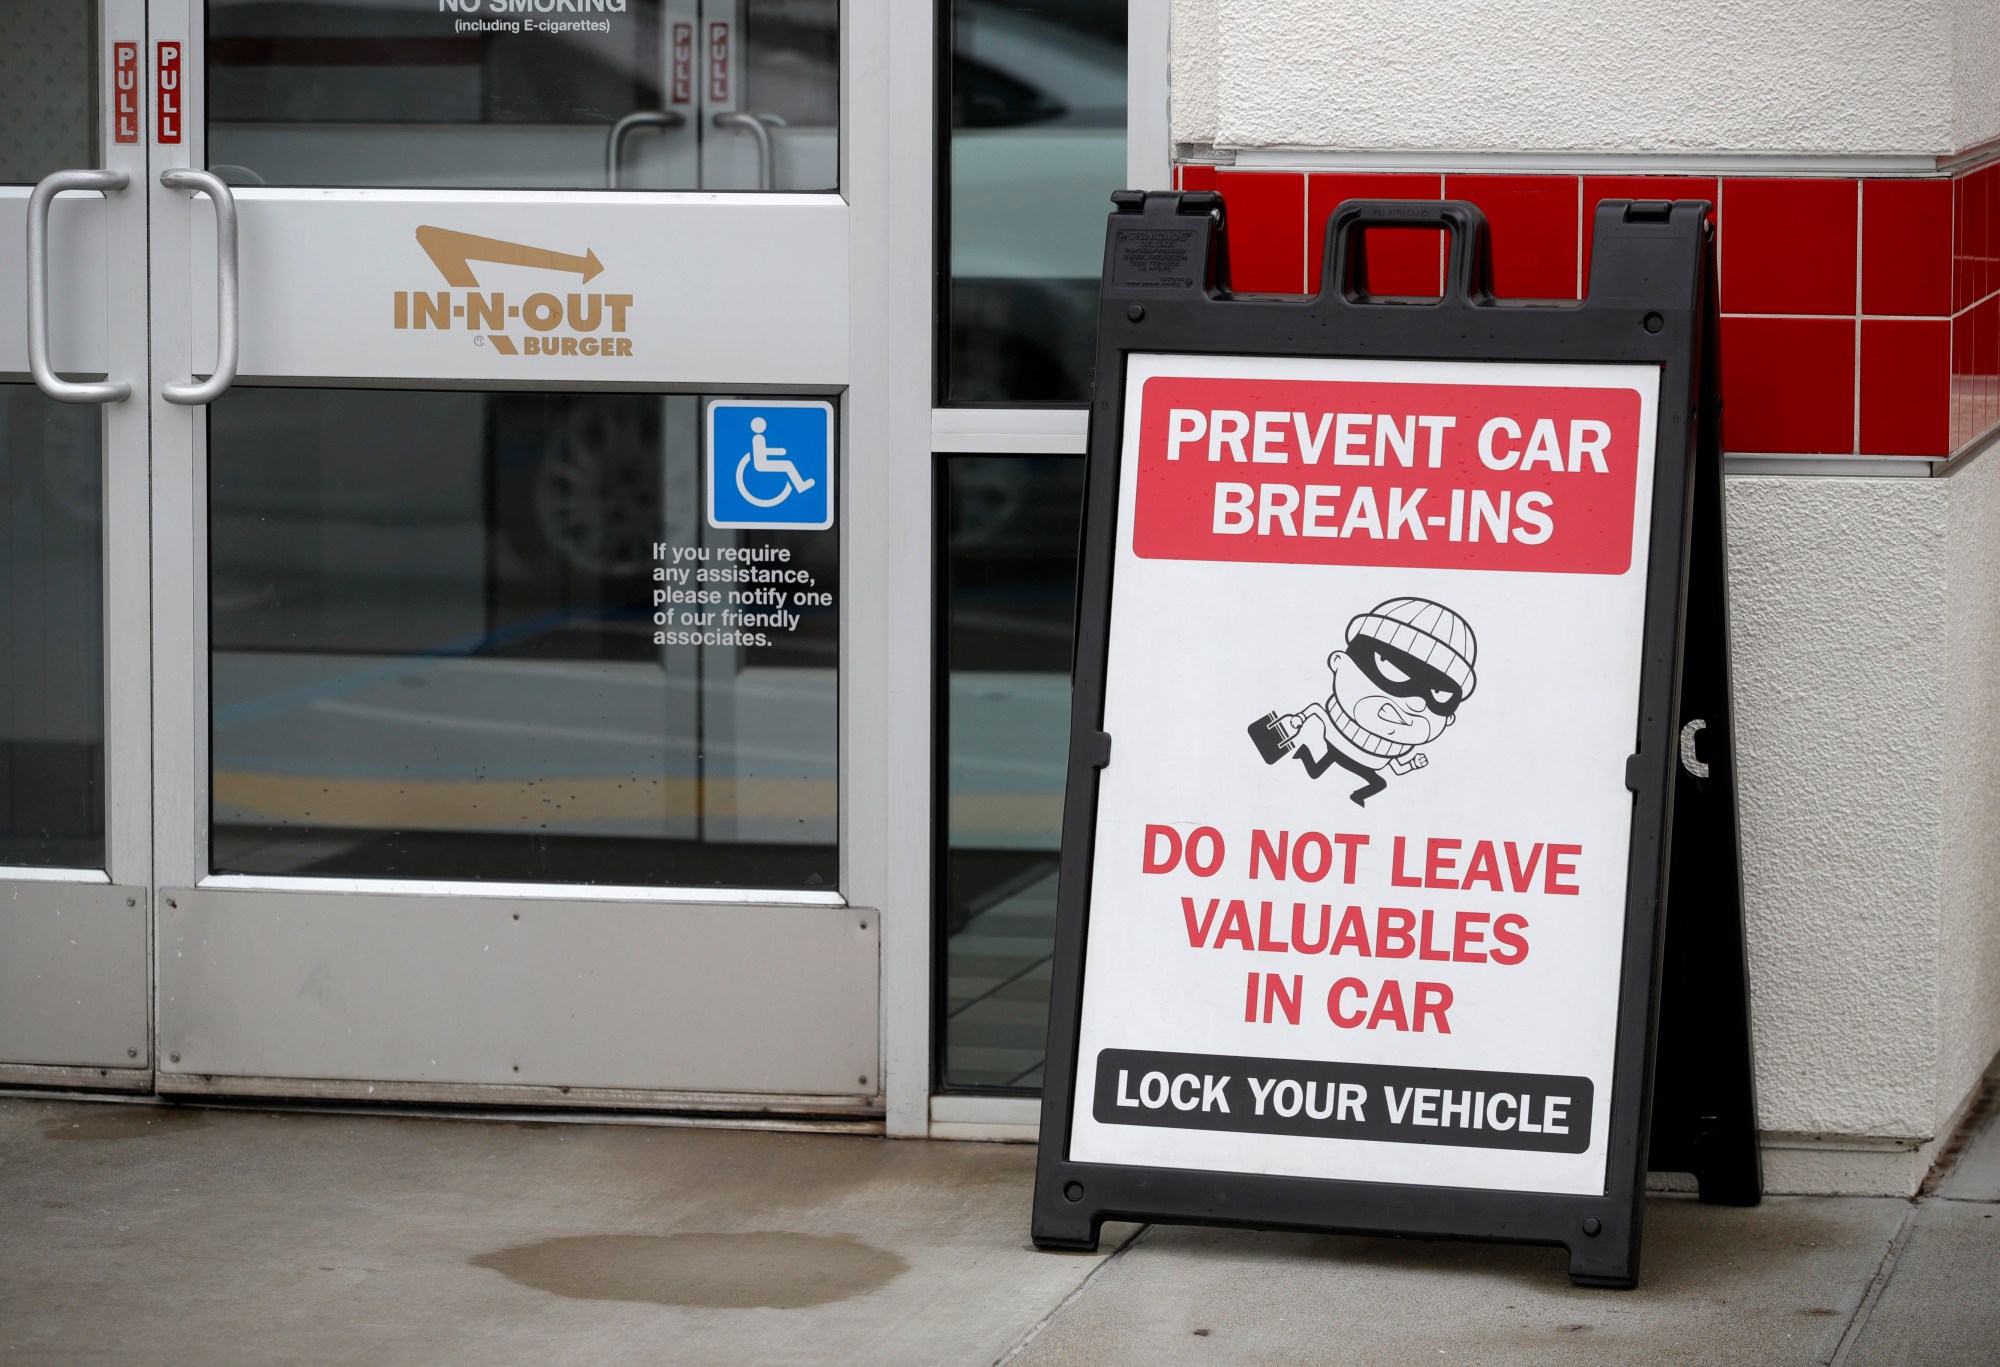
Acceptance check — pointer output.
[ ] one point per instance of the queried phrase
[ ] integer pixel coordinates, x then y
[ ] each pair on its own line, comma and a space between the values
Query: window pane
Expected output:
1037, 101
439, 648
695, 94
48, 88
51, 632
1010, 591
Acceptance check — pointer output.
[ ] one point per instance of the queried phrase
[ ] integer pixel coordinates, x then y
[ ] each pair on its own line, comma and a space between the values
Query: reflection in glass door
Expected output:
1036, 101
51, 518
628, 94
51, 633
1008, 565
437, 624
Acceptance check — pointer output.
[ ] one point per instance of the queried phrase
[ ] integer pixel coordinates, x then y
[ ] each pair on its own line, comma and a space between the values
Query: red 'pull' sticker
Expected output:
718, 63
683, 87
125, 92
167, 93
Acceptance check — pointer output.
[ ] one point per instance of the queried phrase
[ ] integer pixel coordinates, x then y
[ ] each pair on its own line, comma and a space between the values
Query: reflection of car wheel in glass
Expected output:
986, 496
71, 473
597, 489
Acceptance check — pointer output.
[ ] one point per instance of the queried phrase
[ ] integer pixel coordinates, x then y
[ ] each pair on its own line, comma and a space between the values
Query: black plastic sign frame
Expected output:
1651, 303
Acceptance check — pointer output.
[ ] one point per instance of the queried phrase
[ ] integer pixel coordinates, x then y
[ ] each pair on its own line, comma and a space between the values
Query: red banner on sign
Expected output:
167, 93
1427, 476
125, 92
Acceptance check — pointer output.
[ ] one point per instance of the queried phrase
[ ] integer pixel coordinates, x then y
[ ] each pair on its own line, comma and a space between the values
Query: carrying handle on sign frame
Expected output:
1468, 276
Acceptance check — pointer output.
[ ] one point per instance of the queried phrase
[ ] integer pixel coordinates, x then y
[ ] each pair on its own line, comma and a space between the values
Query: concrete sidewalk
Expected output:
158, 1235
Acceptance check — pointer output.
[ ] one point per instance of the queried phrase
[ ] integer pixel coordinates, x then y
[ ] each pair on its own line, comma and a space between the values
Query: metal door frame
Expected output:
85, 944
885, 648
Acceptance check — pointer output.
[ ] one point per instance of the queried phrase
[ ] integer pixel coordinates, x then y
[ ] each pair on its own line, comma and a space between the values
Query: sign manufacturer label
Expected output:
167, 102
125, 92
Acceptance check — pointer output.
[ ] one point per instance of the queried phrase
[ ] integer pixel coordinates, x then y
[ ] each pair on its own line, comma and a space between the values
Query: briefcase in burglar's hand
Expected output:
1268, 734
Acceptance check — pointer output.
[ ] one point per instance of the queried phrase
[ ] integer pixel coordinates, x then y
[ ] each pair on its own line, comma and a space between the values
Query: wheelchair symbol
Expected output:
763, 456
754, 482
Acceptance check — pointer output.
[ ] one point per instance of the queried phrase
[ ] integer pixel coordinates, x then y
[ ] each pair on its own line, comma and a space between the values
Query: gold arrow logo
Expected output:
451, 252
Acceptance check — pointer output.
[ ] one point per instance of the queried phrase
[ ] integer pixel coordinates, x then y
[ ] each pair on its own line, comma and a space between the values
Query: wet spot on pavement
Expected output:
734, 1271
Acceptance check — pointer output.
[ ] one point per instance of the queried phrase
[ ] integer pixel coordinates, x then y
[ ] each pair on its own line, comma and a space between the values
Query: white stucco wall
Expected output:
1866, 642
1976, 71
1191, 82
1838, 624
1805, 76
1969, 958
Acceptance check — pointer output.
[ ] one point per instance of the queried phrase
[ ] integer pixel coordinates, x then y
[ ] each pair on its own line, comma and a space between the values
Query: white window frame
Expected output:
1038, 431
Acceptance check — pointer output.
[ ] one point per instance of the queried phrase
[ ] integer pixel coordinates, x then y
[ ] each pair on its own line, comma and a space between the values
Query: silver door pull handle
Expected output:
759, 126
46, 190
614, 149
224, 374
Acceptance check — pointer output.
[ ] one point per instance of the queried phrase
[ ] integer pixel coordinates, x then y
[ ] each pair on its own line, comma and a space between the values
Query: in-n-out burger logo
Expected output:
543, 323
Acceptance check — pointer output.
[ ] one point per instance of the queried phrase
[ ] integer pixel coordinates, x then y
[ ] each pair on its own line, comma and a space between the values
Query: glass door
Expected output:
75, 826
504, 554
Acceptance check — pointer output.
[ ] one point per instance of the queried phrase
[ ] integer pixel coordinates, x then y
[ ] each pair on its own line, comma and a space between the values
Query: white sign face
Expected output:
1357, 906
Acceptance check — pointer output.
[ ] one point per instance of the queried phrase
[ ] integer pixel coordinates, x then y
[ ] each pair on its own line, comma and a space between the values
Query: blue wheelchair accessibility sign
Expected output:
770, 464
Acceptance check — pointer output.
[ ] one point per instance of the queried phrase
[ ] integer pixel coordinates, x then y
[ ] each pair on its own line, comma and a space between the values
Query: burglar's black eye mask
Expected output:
1405, 676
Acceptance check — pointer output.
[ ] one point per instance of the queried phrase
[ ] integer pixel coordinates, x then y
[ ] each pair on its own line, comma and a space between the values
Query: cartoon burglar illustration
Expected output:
1397, 685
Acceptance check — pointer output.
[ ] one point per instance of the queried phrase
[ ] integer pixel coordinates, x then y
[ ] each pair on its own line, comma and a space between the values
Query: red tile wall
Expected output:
1905, 386
1975, 303
1906, 259
1860, 315
1535, 222
1267, 231
1792, 247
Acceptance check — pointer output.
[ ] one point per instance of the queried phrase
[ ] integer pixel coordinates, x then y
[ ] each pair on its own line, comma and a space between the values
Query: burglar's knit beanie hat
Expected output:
1429, 631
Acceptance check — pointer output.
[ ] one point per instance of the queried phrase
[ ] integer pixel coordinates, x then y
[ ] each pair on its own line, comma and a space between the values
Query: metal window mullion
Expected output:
127, 654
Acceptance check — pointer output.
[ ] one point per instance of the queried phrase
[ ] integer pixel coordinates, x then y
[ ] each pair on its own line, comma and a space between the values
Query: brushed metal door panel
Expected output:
453, 990
72, 975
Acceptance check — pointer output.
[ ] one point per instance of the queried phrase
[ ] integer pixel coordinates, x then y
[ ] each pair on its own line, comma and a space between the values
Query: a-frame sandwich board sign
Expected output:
1400, 758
